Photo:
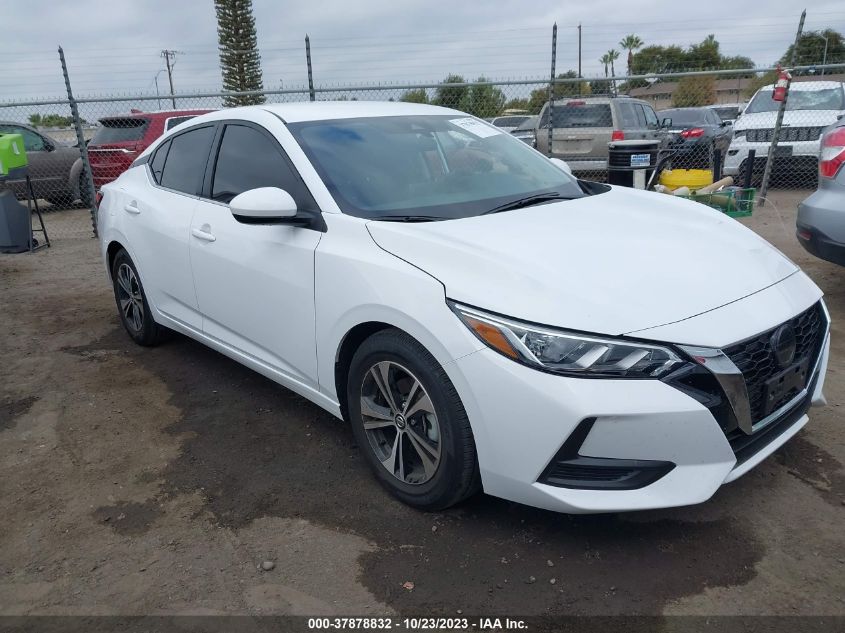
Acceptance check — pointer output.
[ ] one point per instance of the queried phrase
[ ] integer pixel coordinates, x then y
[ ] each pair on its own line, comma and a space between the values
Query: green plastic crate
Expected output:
12, 153
735, 203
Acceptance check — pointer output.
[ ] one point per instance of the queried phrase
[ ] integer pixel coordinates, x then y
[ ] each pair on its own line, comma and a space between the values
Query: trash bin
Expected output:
631, 163
15, 223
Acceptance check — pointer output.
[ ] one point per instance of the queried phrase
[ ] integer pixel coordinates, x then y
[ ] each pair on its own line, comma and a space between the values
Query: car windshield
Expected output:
682, 118
826, 99
434, 167
529, 124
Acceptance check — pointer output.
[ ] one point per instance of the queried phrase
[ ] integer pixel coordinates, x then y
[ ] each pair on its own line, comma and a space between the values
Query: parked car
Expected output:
478, 316
582, 128
526, 131
728, 111
120, 139
511, 122
821, 217
695, 135
811, 107
50, 166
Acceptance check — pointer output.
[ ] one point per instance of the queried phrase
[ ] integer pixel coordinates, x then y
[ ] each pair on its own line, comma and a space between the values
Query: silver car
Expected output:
583, 126
821, 217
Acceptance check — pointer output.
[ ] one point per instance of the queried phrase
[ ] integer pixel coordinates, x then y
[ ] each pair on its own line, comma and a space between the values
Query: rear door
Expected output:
581, 129
632, 120
157, 216
114, 146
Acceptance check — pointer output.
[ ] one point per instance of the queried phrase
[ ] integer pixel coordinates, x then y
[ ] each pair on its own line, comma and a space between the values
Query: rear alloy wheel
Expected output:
132, 302
410, 422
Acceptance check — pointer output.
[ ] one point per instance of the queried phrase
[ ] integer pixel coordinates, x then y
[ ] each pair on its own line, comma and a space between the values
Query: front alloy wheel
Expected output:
400, 422
410, 422
129, 298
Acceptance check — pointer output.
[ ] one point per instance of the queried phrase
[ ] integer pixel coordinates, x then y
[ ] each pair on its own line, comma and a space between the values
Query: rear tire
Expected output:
415, 434
132, 305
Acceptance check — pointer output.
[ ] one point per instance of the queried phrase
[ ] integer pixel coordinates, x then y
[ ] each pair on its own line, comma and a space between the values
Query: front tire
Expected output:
410, 423
132, 303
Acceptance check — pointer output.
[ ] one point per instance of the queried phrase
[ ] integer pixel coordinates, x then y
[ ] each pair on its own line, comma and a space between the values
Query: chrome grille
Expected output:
756, 360
787, 134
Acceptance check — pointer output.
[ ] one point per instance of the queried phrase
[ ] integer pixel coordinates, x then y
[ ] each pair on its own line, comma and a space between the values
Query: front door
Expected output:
255, 283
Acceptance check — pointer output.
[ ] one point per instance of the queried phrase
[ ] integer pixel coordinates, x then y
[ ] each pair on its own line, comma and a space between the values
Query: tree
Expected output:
659, 59
704, 55
601, 87
485, 101
631, 43
694, 91
613, 54
418, 95
51, 120
811, 49
516, 104
539, 96
452, 96
240, 62
605, 59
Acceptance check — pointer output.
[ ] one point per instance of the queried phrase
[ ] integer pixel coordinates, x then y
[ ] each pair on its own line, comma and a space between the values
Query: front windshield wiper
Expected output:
527, 201
408, 218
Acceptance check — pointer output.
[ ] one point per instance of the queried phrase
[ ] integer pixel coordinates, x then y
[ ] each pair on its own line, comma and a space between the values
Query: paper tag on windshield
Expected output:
477, 128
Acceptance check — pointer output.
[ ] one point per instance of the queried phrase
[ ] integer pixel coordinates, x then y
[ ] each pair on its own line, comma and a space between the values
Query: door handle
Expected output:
205, 236
132, 208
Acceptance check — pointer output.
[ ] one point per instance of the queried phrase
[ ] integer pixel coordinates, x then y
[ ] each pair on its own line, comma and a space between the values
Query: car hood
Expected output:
792, 118
611, 263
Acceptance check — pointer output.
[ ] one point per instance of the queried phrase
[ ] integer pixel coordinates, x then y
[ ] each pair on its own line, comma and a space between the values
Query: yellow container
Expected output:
692, 178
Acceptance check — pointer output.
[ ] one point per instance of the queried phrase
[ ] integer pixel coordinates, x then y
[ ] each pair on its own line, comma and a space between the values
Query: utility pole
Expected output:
308, 63
767, 172
168, 57
579, 58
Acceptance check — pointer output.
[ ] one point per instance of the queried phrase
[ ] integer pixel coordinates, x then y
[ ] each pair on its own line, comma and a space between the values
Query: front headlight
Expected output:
568, 353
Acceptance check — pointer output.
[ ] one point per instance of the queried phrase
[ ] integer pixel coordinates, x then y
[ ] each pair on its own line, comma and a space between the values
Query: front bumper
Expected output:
801, 155
523, 418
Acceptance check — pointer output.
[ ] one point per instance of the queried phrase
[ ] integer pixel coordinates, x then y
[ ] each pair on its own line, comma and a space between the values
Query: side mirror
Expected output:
561, 165
265, 205
726, 123
666, 122
48, 146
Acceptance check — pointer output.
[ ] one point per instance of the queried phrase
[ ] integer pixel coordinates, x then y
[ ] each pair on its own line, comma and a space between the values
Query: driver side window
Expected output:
249, 159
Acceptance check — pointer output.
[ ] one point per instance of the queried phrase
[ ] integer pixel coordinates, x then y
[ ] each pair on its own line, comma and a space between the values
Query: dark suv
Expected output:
120, 139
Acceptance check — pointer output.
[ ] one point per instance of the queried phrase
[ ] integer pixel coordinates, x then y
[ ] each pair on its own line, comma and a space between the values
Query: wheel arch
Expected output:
349, 344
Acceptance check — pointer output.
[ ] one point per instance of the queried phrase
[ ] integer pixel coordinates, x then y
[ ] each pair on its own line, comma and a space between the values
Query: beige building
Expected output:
731, 90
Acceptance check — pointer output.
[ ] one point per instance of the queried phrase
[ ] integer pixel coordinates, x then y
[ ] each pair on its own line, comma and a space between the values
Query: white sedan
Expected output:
481, 319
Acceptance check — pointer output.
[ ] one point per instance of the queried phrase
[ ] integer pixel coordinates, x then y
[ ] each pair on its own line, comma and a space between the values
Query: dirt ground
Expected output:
156, 481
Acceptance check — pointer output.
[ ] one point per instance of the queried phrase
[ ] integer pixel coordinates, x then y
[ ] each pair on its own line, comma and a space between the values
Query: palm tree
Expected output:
613, 54
631, 43
605, 59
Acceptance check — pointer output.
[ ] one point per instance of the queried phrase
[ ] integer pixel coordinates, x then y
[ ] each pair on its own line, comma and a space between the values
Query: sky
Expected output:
113, 48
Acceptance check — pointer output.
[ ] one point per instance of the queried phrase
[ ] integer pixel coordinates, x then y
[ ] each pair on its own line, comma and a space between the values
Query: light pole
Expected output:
155, 79
824, 56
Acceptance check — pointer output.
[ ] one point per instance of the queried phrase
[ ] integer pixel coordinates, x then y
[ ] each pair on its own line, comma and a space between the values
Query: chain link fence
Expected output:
705, 124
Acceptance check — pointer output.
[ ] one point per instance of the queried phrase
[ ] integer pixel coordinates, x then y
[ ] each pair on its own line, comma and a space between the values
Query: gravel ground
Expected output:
157, 481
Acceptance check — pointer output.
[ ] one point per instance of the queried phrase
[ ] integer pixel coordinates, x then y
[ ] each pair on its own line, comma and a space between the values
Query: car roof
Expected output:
325, 110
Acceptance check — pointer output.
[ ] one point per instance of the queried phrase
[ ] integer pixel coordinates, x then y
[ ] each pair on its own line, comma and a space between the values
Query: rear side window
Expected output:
120, 130
629, 116
249, 159
575, 114
186, 160
157, 161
